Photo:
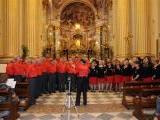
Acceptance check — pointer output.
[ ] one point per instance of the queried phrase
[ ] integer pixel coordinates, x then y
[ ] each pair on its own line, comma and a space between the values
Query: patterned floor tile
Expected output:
47, 117
124, 116
27, 117
87, 116
82, 116
97, 99
105, 116
93, 98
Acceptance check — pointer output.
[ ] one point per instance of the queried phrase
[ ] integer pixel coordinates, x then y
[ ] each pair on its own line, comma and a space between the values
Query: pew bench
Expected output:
139, 104
22, 91
11, 105
134, 88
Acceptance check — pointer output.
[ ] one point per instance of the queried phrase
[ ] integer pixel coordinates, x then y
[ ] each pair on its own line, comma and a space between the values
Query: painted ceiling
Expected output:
77, 13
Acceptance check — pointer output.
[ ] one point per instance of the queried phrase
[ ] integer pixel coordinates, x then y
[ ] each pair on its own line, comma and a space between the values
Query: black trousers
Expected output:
82, 86
40, 84
46, 83
38, 88
19, 78
52, 82
32, 90
62, 81
43, 83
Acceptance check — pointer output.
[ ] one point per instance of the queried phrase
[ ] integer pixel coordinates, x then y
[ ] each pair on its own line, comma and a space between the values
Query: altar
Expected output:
77, 29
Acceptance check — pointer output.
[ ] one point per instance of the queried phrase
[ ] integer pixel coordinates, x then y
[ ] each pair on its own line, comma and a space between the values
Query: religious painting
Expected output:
77, 13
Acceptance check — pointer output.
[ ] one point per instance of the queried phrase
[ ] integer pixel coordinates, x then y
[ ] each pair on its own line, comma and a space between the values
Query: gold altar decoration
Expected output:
33, 17
77, 29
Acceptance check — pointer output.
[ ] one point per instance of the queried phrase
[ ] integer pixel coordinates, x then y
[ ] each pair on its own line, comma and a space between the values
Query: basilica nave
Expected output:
46, 44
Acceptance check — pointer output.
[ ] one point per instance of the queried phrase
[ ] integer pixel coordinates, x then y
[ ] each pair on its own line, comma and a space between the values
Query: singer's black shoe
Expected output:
77, 105
84, 104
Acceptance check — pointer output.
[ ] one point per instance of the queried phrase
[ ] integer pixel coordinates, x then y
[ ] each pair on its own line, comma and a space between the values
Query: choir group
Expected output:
51, 74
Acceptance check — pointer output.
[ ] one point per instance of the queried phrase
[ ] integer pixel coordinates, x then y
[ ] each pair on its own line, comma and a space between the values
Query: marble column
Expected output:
153, 28
98, 41
1, 27
57, 37
21, 24
44, 29
40, 24
31, 18
11, 44
114, 27
142, 42
133, 26
159, 26
122, 19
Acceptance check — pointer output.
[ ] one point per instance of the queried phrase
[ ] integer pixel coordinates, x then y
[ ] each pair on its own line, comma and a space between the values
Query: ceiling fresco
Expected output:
102, 6
77, 13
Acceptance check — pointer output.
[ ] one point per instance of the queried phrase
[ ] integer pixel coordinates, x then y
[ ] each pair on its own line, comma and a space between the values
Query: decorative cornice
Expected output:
4, 60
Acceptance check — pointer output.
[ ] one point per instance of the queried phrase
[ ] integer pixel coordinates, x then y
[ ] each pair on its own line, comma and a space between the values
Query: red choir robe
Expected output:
82, 70
71, 68
19, 68
61, 67
10, 69
31, 71
52, 68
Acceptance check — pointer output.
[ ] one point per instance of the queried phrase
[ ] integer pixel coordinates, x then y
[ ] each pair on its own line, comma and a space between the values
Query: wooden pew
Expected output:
133, 89
138, 101
3, 77
11, 105
22, 91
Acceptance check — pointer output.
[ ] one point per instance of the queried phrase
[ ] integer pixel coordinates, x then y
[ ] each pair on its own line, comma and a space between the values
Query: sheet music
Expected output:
11, 83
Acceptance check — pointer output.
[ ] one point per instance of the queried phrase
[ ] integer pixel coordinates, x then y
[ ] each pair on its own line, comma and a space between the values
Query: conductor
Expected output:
82, 81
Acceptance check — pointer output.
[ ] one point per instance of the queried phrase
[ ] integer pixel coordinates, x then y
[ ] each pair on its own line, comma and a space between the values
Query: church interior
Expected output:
52, 51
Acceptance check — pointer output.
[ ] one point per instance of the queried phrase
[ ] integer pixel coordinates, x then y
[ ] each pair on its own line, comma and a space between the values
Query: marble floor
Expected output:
101, 106
103, 102
93, 98
82, 116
